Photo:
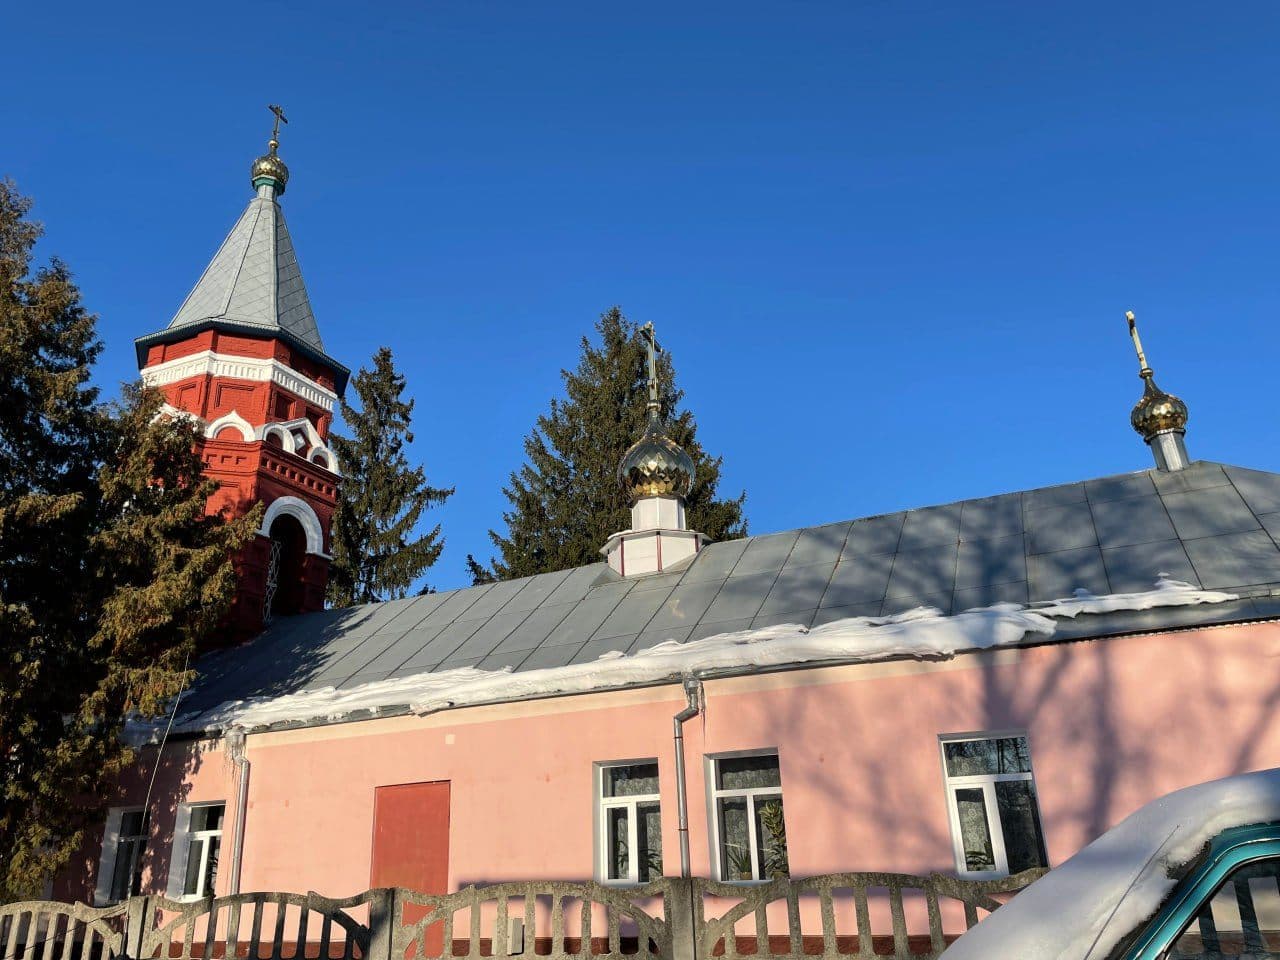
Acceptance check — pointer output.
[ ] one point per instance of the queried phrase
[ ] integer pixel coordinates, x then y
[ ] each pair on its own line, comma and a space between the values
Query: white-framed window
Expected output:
748, 832
628, 822
197, 841
124, 844
991, 799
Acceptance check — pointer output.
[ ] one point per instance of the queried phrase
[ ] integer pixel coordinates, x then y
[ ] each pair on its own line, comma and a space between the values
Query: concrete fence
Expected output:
856, 916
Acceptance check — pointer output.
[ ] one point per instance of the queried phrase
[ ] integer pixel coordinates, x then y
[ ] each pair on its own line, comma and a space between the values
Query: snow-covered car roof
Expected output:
1084, 908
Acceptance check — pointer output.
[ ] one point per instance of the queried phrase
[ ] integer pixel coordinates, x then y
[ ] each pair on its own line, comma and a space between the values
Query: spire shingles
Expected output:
253, 280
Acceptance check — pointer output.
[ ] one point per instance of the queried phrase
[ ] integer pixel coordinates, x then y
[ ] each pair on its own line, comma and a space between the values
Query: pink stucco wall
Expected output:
1111, 724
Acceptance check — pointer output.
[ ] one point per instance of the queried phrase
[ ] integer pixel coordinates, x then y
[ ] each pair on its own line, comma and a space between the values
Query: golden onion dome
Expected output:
1157, 411
655, 466
270, 167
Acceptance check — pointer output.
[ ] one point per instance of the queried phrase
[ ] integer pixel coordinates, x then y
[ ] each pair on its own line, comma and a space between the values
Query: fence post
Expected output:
137, 912
680, 915
384, 919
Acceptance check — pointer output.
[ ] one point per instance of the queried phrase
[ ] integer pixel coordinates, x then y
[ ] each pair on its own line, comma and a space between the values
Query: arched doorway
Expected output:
288, 544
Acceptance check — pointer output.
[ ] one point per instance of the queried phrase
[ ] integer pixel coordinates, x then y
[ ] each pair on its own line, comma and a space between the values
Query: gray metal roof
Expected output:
253, 280
1212, 525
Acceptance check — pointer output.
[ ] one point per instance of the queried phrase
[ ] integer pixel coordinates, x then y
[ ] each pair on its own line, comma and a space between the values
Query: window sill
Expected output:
190, 897
983, 874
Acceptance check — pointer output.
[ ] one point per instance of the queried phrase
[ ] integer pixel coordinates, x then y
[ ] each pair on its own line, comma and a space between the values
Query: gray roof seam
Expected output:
207, 267
523, 587
831, 576
231, 287
275, 268
381, 650
572, 606
1249, 506
782, 566
1093, 522
426, 643
897, 548
1181, 543
622, 596
399, 636
712, 602
443, 627
534, 649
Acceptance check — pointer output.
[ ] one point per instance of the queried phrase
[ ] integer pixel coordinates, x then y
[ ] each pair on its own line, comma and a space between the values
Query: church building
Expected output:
974, 688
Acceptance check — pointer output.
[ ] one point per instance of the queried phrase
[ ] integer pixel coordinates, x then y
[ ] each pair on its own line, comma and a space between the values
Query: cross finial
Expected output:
651, 344
1144, 370
275, 129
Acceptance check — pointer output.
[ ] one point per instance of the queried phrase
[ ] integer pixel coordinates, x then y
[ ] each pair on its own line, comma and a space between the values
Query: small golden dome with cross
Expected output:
270, 166
655, 465
1156, 412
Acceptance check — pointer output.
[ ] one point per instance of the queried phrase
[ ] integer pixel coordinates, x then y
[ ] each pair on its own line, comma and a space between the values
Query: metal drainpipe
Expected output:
693, 694
236, 744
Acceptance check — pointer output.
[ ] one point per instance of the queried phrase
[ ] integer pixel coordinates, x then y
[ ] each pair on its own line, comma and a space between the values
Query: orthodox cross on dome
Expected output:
275, 128
1137, 344
656, 475
653, 348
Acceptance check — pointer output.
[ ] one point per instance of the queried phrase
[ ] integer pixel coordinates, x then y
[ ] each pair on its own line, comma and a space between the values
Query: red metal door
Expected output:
411, 845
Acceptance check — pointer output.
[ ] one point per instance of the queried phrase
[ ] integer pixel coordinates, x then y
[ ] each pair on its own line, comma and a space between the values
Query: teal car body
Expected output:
1189, 904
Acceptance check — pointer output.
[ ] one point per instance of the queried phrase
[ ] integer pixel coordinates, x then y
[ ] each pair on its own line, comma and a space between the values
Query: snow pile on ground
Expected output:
1082, 909
923, 633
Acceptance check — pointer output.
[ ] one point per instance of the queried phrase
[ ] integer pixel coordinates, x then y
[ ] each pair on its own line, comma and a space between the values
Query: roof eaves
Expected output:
1085, 627
341, 372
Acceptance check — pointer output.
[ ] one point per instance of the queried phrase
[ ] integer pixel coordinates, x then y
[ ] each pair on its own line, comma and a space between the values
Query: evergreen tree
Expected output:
110, 571
478, 572
566, 499
375, 555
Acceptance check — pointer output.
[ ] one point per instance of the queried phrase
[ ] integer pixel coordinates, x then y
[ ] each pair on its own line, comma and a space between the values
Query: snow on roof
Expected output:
1082, 909
1206, 525
922, 633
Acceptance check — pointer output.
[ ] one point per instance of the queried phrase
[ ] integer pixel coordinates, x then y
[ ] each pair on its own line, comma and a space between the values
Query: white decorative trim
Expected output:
313, 445
231, 419
169, 410
286, 438
636, 553
313, 435
301, 511
209, 363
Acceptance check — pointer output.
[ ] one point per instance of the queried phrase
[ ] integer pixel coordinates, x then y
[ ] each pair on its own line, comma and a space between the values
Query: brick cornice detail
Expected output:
211, 364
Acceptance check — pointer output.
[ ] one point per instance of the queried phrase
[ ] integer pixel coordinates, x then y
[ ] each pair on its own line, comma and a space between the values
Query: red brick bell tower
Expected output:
243, 356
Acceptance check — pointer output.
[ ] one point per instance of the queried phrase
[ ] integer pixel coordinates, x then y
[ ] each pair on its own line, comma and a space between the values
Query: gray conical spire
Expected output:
253, 280
253, 284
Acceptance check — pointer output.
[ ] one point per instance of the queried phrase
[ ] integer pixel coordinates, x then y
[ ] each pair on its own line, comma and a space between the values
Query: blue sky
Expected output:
890, 244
